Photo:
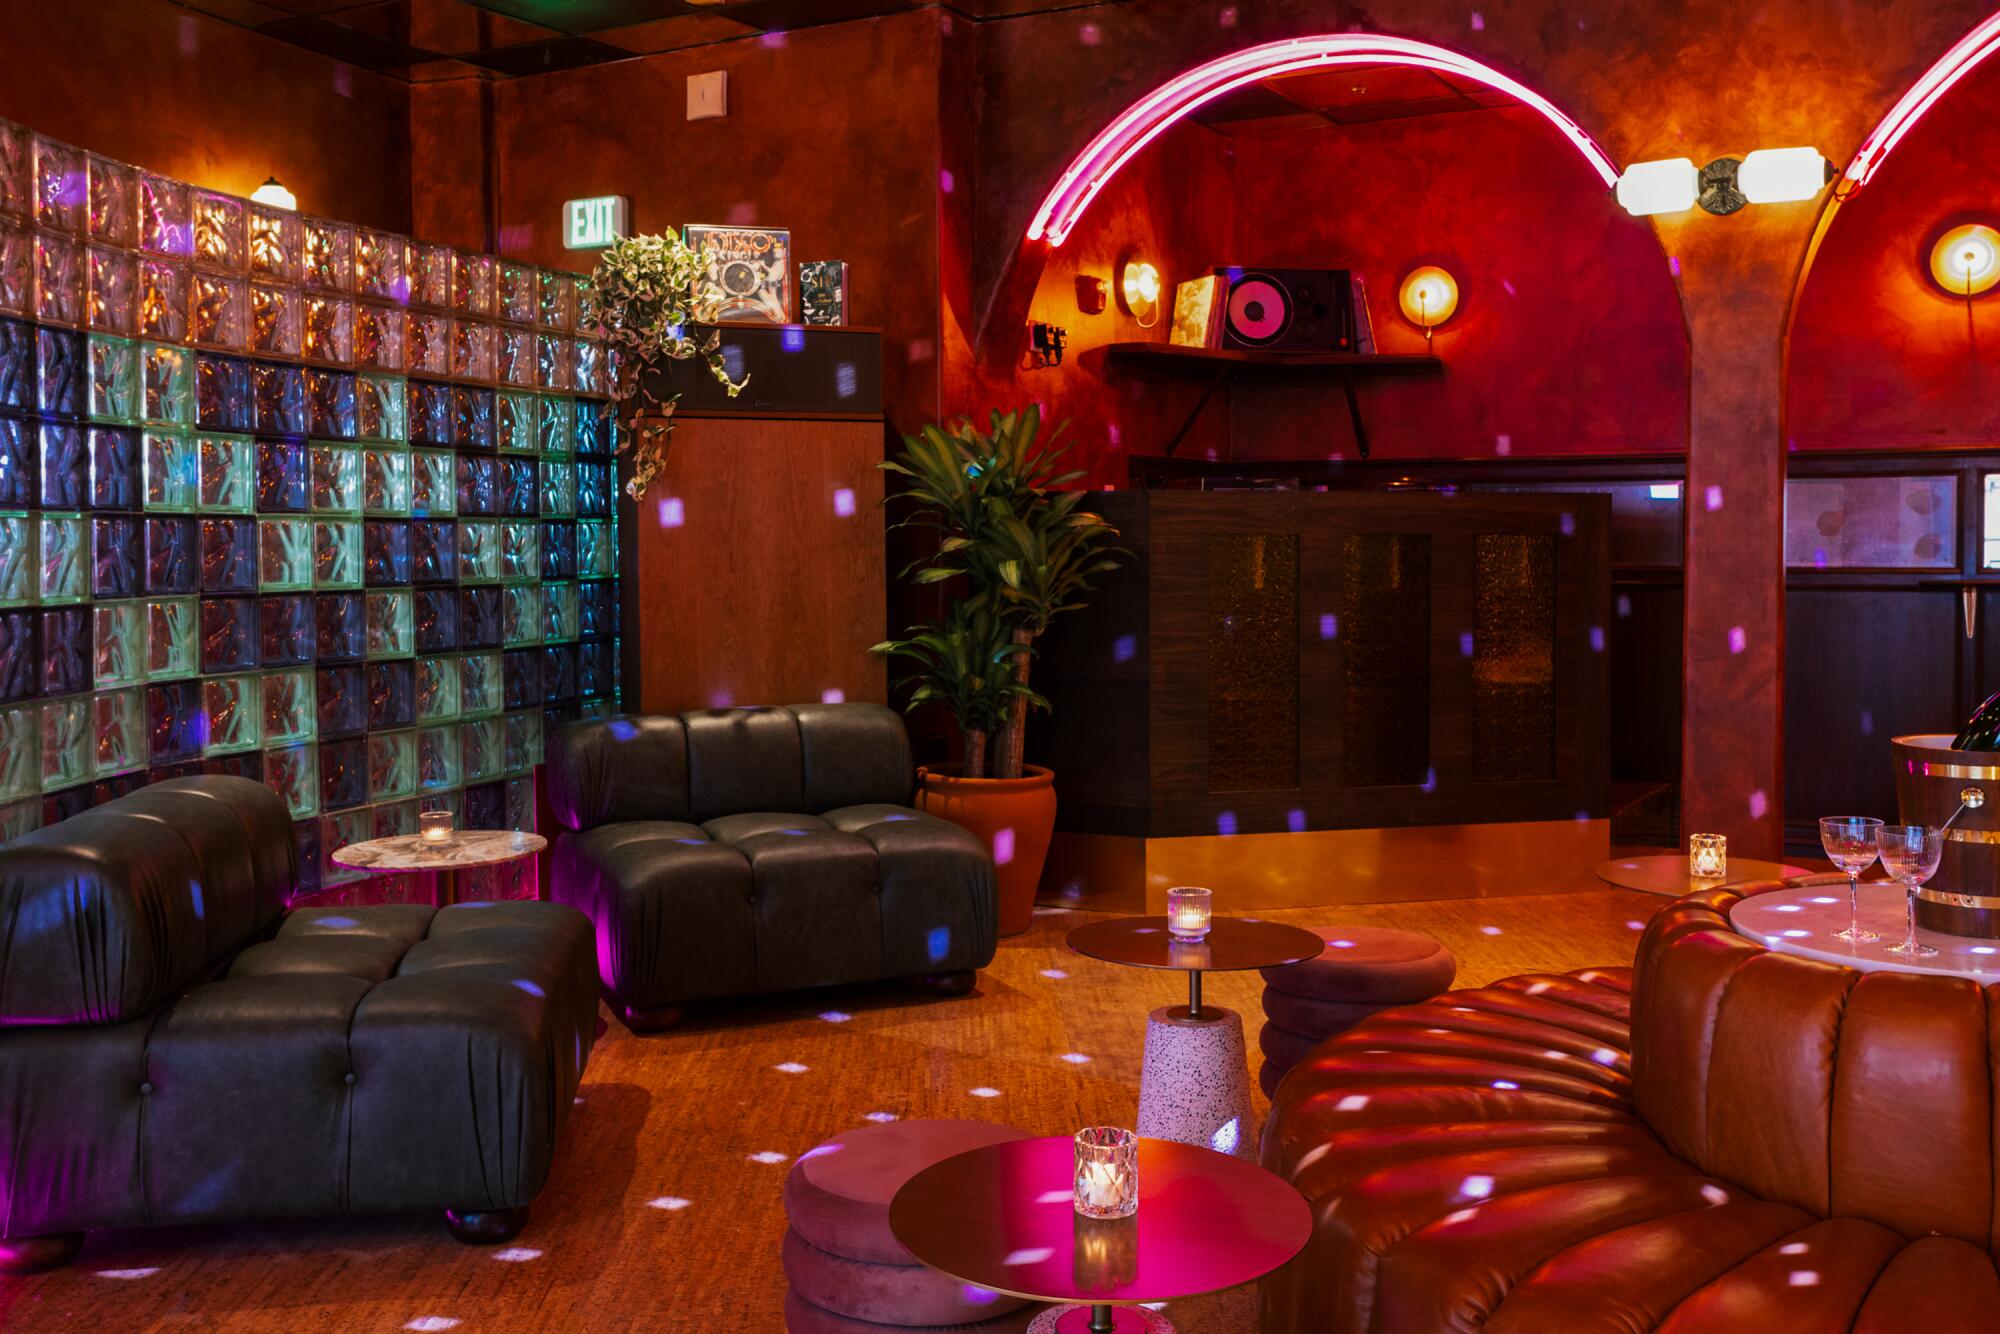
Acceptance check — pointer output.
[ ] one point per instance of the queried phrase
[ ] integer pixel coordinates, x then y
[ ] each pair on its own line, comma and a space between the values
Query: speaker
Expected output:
1289, 310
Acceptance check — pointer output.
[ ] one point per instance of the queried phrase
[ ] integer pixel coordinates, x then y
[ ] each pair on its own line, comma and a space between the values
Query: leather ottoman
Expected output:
848, 1273
1364, 970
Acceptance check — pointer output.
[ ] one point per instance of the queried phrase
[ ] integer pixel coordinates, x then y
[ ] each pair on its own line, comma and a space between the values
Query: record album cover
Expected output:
823, 291
749, 271
1198, 310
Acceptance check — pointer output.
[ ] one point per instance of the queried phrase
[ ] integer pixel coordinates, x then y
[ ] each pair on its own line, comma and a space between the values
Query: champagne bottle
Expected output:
1982, 729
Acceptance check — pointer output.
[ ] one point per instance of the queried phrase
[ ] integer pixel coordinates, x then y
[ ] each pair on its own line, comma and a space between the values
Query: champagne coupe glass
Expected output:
1910, 852
1849, 841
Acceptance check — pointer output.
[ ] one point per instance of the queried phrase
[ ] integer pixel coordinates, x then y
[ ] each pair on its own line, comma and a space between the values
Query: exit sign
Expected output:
591, 223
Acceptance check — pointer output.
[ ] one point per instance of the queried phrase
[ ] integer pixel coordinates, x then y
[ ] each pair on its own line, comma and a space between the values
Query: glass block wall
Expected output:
292, 499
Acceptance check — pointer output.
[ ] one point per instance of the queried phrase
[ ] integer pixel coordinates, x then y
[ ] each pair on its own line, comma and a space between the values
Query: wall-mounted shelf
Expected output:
1222, 365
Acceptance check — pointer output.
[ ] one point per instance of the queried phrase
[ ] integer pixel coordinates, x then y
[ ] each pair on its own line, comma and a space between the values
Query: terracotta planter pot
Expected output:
1012, 816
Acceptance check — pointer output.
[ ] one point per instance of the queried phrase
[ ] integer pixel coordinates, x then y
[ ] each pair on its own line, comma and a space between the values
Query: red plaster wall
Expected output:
208, 102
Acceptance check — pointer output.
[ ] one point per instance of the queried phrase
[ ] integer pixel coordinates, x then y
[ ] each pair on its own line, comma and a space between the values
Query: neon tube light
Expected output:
1149, 117
1952, 66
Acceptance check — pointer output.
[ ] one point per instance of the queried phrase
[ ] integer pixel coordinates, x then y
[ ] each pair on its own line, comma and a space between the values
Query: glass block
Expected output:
1513, 682
111, 290
590, 369
436, 618
306, 837
558, 551
287, 629
20, 658
60, 282
283, 477
379, 408
64, 469
393, 819
17, 269
284, 554
219, 310
559, 612
66, 650
479, 619
277, 319
229, 634
293, 773
166, 215
163, 299
62, 191
233, 714
478, 484
115, 468
221, 231
112, 213
519, 481
173, 555
330, 399
342, 627
385, 550
472, 417
392, 765
437, 757
228, 467
343, 773
337, 559
557, 498
430, 275
289, 711
20, 752
19, 382
343, 701
378, 336
427, 344
328, 255
433, 483
484, 806
592, 431
336, 832
391, 693
555, 362
68, 742
173, 470
436, 689
480, 684
19, 583
391, 632
20, 464
430, 412
597, 605
282, 408
19, 818
117, 556
596, 552
118, 720
593, 489
533, 675
166, 377
329, 329
277, 244
17, 169
524, 742
225, 393
482, 744
514, 292
228, 555
433, 551
382, 265
172, 638
520, 551
587, 309
555, 424
472, 279
114, 379
472, 354
336, 479
514, 422
60, 372
555, 300
478, 551
594, 669
385, 481
175, 723
514, 357
119, 644
521, 614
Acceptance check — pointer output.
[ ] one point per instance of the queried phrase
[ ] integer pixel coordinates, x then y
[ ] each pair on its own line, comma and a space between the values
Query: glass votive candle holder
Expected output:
1187, 912
434, 828
1107, 1172
1708, 856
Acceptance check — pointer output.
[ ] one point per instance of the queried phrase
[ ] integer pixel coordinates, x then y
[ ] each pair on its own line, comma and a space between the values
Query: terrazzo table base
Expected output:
1194, 1087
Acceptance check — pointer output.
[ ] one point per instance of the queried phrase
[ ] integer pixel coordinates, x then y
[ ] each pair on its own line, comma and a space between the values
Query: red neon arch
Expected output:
1143, 121
1952, 66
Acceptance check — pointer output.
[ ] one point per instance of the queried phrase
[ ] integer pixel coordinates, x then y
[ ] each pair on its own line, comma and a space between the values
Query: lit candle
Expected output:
1187, 912
1107, 1172
1708, 856
434, 827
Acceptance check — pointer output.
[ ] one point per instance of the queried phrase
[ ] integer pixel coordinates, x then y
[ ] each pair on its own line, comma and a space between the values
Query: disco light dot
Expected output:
1076, 1058
843, 502
791, 1067
1714, 1194
128, 1274
835, 1016
1506, 1084
880, 1118
833, 696
1759, 803
1793, 1248
670, 1203
672, 513
1738, 641
1029, 1255
1788, 907
767, 1157
1056, 1197
1802, 1278
431, 1322
1054, 974
1635, 925
1489, 930
1295, 820
1822, 898
515, 1255
984, 1092
1353, 1102
1475, 1187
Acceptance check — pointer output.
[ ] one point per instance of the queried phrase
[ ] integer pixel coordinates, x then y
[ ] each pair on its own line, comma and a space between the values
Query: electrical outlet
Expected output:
708, 95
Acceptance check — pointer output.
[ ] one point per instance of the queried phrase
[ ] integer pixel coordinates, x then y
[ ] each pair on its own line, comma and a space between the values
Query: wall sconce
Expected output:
1046, 342
1428, 297
1139, 292
1766, 176
274, 194
1090, 294
1966, 260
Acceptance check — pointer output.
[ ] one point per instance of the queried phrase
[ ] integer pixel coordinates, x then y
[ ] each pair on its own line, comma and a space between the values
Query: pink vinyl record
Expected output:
1259, 310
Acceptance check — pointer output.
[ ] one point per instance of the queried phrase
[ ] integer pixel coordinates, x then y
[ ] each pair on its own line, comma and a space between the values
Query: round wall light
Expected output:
1966, 260
1429, 295
274, 194
1139, 285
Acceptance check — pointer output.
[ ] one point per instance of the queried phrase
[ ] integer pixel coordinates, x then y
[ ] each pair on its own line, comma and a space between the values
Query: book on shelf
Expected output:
1199, 305
823, 291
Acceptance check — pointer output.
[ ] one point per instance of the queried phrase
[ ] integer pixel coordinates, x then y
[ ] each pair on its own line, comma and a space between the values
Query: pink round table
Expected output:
1802, 920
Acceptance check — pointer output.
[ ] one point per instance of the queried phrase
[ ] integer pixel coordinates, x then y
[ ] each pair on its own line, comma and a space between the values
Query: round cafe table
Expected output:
1802, 920
1194, 1083
1668, 875
1004, 1218
466, 850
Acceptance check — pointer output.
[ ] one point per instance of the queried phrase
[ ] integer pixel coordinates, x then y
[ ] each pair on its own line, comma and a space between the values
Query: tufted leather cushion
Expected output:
109, 913
1369, 964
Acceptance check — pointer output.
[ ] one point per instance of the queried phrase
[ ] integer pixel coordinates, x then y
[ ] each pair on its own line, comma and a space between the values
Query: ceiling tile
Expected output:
778, 15
545, 57
673, 34
349, 44
584, 16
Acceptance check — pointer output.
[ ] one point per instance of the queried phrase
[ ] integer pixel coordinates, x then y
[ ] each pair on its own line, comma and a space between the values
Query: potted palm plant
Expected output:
1016, 550
649, 311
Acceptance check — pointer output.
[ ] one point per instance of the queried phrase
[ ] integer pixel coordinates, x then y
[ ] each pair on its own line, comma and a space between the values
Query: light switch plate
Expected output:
708, 95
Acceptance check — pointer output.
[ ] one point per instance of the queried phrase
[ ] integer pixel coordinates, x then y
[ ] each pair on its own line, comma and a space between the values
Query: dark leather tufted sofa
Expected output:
1722, 1139
745, 851
177, 1048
